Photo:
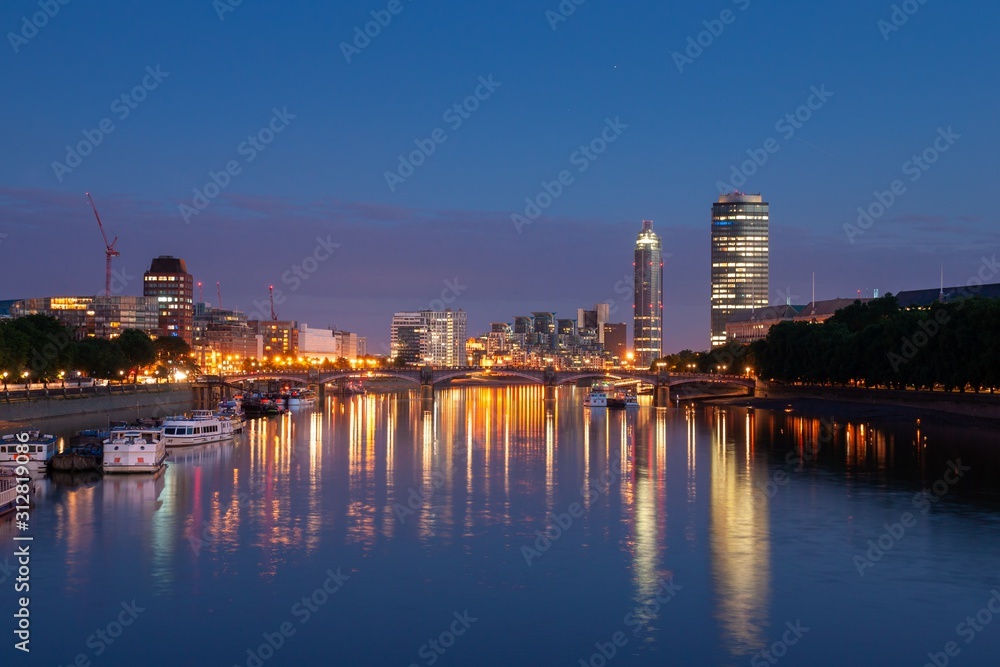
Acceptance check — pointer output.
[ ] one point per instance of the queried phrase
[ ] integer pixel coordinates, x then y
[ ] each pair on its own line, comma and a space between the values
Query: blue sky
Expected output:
323, 177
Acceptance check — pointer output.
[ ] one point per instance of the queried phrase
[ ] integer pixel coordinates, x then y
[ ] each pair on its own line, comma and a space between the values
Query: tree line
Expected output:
948, 345
38, 348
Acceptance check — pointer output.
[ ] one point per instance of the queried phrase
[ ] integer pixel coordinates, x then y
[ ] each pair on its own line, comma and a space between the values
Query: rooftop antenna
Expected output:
941, 293
814, 294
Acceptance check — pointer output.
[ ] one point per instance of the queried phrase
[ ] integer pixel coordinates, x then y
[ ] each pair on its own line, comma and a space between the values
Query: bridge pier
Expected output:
661, 397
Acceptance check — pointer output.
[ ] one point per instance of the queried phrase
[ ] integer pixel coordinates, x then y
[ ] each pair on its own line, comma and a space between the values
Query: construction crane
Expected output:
218, 290
201, 293
109, 249
274, 315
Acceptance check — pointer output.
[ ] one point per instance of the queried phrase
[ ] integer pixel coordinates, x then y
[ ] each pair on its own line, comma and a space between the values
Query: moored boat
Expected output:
8, 491
33, 449
301, 398
201, 428
134, 451
597, 397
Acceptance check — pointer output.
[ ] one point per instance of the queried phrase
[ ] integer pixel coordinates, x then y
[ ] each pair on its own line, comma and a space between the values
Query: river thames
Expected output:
495, 528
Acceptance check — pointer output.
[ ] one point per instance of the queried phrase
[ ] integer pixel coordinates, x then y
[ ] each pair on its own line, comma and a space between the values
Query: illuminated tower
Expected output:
647, 330
740, 258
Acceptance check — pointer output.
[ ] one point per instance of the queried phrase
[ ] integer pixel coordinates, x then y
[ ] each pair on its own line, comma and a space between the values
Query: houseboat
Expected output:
34, 449
134, 451
201, 428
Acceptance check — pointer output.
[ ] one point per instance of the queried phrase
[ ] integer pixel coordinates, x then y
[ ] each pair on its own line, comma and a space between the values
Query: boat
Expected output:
303, 398
133, 450
235, 417
623, 399
33, 449
201, 428
597, 397
8, 491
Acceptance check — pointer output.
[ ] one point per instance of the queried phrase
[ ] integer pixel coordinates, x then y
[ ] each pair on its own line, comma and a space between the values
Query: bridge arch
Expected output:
361, 375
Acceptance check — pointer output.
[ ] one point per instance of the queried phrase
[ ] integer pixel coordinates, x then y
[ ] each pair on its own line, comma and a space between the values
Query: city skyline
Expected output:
824, 139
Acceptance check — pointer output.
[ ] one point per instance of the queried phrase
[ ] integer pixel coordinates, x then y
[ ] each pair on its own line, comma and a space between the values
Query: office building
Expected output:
169, 281
427, 337
616, 340
740, 259
647, 331
279, 337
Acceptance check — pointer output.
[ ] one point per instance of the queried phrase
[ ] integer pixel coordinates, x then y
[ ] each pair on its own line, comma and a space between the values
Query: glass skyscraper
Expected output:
647, 330
740, 258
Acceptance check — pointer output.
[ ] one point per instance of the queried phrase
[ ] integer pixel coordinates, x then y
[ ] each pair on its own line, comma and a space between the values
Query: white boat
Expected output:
33, 449
134, 451
8, 490
234, 417
304, 398
201, 428
597, 397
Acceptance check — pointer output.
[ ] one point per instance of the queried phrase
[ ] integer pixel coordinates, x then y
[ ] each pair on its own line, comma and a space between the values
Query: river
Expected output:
494, 528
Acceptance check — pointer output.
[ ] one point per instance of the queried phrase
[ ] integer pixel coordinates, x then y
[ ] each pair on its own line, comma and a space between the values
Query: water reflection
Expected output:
454, 488
740, 537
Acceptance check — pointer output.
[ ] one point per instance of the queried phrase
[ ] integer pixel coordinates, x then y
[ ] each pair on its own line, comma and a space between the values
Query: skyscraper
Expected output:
740, 258
171, 284
647, 330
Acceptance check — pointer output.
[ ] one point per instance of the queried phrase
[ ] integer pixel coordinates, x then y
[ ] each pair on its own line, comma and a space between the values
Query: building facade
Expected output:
279, 337
740, 259
429, 337
328, 344
170, 283
616, 340
647, 331
95, 316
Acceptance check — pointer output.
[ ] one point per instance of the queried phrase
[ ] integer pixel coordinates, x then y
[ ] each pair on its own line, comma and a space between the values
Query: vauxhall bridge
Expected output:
428, 377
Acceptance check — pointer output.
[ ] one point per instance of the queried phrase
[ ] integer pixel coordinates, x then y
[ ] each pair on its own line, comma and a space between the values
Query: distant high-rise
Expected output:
647, 331
740, 259
436, 338
171, 284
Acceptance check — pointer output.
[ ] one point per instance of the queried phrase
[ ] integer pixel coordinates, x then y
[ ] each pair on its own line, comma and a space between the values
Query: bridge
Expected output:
428, 377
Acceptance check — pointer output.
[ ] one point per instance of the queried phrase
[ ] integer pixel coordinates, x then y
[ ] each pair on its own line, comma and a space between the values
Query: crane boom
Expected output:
218, 290
109, 248
274, 315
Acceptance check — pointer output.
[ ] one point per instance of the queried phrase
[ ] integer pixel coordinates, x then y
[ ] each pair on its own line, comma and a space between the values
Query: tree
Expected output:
172, 349
138, 350
100, 358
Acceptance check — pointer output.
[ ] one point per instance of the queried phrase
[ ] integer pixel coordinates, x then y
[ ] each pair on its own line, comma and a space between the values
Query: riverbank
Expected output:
976, 410
155, 400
